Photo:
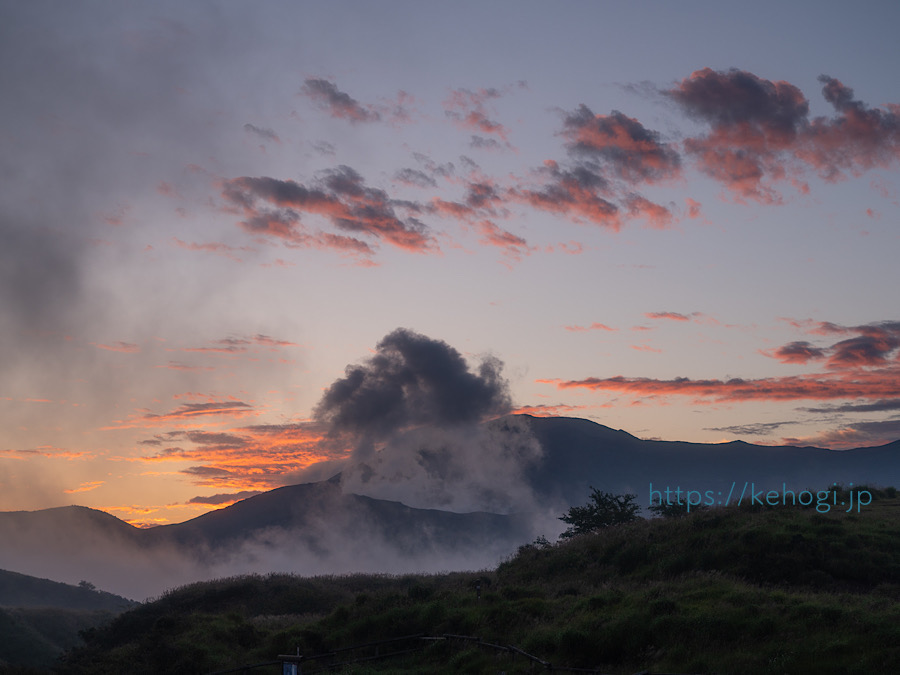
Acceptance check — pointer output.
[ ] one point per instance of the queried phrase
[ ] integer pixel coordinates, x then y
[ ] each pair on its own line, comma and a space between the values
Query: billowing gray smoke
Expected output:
412, 380
415, 413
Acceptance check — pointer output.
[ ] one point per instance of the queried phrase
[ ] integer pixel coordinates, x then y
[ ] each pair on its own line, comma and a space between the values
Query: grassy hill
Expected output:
21, 590
781, 589
40, 619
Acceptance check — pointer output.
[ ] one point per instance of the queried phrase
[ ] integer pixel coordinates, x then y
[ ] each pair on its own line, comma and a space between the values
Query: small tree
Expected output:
603, 510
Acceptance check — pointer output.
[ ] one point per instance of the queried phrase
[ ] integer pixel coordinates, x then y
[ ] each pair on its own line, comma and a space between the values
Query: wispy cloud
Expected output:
548, 410
241, 345
468, 109
265, 134
122, 347
86, 487
593, 326
187, 413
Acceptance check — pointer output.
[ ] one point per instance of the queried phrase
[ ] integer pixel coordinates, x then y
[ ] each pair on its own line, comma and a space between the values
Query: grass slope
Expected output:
41, 619
21, 590
782, 589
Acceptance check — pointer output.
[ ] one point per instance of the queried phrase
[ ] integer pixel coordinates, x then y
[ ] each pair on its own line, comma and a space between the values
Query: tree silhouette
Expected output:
603, 510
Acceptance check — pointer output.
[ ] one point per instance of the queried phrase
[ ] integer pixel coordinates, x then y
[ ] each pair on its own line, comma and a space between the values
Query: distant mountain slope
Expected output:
579, 453
316, 512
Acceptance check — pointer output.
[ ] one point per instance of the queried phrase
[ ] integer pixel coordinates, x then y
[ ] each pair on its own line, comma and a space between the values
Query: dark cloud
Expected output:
753, 122
482, 143
609, 155
735, 98
799, 352
873, 345
857, 139
857, 434
415, 177
202, 409
872, 348
338, 103
443, 170
339, 195
574, 192
632, 152
753, 429
761, 132
412, 380
482, 195
886, 405
673, 316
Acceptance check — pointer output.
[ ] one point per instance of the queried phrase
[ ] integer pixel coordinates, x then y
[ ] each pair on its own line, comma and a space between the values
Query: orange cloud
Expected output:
46, 451
86, 487
593, 326
646, 348
258, 457
658, 216
544, 410
674, 316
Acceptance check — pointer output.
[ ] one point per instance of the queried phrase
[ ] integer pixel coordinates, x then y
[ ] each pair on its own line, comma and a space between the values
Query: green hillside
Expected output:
41, 619
21, 590
781, 589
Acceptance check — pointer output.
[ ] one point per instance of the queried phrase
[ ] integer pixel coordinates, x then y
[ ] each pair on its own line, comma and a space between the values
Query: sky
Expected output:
243, 241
